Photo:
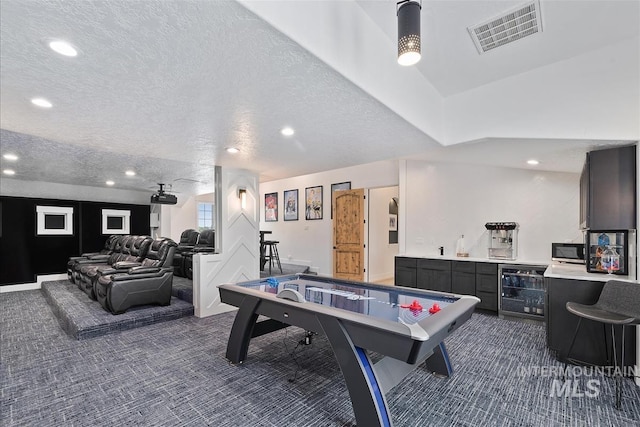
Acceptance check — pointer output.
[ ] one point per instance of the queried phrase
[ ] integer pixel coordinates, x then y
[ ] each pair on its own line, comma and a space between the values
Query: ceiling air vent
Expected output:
512, 25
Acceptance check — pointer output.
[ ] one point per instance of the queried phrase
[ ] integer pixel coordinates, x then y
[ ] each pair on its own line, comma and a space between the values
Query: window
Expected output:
115, 221
54, 220
205, 216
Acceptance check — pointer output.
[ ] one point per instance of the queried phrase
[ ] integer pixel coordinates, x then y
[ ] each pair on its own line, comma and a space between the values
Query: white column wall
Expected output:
238, 257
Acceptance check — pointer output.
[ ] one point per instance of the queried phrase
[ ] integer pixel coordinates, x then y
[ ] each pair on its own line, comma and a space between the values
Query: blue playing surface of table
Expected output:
376, 301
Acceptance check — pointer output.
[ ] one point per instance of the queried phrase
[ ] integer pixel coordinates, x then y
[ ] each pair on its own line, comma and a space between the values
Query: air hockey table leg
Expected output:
439, 362
242, 330
367, 398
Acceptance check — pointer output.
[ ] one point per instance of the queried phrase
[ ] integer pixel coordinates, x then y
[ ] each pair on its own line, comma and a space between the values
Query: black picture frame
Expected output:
336, 187
271, 207
313, 203
290, 200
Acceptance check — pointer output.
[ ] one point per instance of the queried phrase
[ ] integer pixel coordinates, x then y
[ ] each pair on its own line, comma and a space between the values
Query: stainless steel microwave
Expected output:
568, 252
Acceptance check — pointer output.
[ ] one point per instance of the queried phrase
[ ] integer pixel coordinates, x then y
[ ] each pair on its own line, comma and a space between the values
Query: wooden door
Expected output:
348, 234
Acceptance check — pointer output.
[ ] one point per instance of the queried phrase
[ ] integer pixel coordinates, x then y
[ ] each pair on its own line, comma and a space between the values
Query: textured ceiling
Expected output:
164, 87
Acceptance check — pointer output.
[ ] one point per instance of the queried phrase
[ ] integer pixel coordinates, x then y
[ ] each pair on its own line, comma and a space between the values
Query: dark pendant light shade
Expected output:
408, 12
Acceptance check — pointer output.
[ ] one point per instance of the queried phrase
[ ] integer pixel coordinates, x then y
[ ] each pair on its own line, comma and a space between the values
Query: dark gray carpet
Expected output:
175, 374
82, 318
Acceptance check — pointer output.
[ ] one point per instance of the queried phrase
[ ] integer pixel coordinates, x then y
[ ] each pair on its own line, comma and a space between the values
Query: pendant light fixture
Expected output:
408, 12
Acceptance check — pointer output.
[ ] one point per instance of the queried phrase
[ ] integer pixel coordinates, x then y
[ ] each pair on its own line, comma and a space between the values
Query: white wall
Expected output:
381, 252
443, 201
310, 242
573, 105
39, 189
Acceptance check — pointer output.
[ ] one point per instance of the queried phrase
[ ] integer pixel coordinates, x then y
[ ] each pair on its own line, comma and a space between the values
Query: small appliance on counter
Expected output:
503, 240
570, 253
610, 251
521, 291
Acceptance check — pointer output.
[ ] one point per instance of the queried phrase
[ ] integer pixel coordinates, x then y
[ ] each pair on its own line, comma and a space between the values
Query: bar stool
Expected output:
272, 247
617, 305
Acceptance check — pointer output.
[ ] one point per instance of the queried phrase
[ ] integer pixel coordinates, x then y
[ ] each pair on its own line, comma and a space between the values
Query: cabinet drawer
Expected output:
463, 283
405, 277
487, 268
488, 301
463, 266
434, 264
406, 262
487, 283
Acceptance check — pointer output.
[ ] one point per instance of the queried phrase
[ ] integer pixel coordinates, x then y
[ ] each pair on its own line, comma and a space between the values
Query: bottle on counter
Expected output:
461, 250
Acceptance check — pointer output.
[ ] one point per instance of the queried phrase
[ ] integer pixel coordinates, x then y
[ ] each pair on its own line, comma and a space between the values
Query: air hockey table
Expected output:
406, 326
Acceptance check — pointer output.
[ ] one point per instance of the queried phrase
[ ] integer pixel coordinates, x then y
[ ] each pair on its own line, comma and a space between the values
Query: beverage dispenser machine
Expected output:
503, 240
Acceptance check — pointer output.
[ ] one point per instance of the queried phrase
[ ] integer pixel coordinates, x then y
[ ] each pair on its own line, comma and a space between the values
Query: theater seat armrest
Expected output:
98, 257
92, 261
105, 270
144, 270
76, 258
125, 265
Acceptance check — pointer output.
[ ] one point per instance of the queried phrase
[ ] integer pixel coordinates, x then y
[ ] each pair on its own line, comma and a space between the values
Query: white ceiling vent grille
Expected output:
515, 24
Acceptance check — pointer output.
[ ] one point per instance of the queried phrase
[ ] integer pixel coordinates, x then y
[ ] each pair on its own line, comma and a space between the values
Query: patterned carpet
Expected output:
174, 374
82, 317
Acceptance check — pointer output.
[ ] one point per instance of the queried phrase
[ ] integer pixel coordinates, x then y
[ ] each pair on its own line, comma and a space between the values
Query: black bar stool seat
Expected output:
618, 304
271, 254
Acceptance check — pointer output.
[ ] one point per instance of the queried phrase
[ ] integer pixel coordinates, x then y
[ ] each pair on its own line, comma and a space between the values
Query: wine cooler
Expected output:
521, 291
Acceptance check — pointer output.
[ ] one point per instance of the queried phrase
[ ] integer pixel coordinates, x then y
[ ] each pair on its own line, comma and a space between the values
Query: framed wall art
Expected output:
337, 187
291, 205
271, 207
313, 202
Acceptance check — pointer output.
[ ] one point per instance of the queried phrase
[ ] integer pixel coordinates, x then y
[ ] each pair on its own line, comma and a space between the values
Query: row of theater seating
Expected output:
129, 271
191, 242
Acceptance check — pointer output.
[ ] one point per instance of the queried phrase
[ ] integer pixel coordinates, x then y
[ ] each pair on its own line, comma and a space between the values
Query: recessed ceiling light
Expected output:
41, 102
232, 150
287, 131
533, 162
63, 48
130, 173
11, 157
9, 172
110, 182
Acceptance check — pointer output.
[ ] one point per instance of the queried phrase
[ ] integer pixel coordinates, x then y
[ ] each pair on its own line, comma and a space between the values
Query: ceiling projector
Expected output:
163, 198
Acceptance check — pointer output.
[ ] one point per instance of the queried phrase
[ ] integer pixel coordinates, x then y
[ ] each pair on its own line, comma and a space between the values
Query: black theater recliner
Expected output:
206, 244
137, 253
188, 240
149, 283
121, 249
133, 252
109, 247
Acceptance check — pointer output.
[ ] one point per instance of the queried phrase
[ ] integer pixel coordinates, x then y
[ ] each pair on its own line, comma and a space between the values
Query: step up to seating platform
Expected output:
82, 318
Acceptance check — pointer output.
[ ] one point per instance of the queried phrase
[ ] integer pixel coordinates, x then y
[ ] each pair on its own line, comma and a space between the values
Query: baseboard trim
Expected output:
33, 286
